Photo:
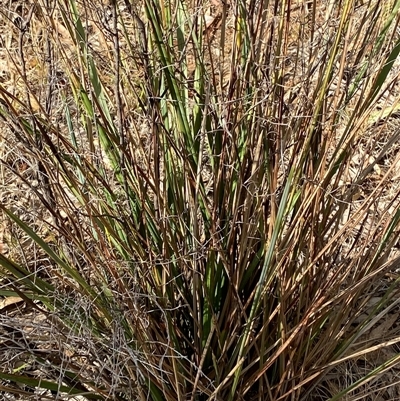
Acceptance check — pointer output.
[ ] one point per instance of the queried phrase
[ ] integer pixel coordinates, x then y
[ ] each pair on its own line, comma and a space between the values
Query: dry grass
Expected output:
111, 302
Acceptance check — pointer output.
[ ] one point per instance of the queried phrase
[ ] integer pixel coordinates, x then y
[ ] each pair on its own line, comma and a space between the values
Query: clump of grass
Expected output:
209, 222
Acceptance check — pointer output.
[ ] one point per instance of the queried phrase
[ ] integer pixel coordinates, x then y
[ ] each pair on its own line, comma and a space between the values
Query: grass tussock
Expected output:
200, 200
